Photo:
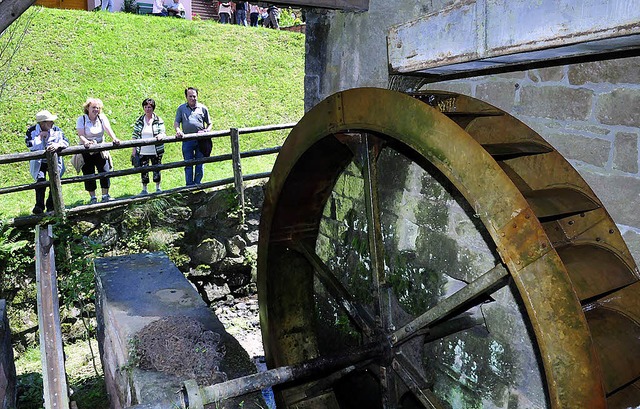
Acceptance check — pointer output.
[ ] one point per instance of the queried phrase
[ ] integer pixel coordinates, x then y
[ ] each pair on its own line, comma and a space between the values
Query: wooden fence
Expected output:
55, 181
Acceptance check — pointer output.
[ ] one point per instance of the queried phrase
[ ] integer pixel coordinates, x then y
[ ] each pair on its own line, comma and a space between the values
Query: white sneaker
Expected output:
106, 198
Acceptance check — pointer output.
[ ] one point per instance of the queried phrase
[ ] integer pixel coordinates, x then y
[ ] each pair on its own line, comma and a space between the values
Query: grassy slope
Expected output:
247, 77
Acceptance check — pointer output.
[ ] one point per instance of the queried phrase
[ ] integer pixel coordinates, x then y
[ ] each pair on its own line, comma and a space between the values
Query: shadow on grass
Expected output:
87, 392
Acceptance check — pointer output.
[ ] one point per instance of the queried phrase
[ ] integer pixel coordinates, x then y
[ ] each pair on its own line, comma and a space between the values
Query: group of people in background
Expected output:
191, 117
266, 16
173, 9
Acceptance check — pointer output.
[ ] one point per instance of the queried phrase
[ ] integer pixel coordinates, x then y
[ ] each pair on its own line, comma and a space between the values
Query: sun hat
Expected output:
45, 115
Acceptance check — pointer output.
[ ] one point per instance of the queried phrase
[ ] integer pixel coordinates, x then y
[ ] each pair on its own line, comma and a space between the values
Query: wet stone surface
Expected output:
240, 318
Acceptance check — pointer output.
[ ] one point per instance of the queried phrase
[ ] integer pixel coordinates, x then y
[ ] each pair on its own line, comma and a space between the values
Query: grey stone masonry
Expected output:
620, 71
619, 107
625, 154
556, 102
7, 367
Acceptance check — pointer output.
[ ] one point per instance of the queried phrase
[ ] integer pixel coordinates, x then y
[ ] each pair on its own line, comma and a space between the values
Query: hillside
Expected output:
246, 76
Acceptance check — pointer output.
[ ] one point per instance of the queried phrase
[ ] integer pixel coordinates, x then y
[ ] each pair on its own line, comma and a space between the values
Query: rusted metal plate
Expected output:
627, 397
559, 201
617, 341
474, 35
595, 270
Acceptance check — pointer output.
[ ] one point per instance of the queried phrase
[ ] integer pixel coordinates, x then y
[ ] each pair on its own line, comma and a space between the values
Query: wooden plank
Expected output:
10, 10
237, 169
56, 185
54, 378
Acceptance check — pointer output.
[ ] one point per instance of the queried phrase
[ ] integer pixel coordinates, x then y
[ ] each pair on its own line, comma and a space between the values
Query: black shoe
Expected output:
37, 210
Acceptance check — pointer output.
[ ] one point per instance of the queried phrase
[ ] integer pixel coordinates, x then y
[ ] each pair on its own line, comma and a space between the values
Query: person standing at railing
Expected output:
91, 128
44, 135
148, 126
194, 118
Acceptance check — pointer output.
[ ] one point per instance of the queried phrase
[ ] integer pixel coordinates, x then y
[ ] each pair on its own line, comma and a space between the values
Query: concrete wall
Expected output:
588, 111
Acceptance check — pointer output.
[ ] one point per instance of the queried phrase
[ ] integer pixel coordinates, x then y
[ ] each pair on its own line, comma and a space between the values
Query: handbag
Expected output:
135, 160
77, 161
205, 146
106, 155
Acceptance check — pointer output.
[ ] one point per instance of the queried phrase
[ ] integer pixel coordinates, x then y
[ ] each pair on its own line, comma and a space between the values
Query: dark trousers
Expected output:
253, 19
41, 191
155, 160
92, 163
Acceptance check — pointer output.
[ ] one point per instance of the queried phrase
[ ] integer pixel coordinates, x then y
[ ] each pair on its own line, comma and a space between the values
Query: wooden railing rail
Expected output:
55, 181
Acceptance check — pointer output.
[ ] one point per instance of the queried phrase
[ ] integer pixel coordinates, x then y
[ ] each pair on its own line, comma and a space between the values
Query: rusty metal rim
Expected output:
539, 274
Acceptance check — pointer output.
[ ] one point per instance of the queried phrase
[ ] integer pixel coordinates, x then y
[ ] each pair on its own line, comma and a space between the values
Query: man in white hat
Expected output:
44, 135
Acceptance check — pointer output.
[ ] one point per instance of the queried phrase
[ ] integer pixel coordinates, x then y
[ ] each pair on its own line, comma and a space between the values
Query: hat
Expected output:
45, 115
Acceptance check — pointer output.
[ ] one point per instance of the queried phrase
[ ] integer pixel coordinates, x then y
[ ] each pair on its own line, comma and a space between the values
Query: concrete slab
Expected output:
472, 35
133, 291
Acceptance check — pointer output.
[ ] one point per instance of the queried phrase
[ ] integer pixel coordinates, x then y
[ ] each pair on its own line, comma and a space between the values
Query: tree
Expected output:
10, 41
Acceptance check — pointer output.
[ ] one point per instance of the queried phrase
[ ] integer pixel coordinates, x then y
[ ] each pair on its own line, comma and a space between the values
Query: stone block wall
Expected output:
588, 111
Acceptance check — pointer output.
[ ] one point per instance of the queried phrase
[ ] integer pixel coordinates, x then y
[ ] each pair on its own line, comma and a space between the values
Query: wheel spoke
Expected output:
466, 294
367, 157
333, 285
464, 321
411, 376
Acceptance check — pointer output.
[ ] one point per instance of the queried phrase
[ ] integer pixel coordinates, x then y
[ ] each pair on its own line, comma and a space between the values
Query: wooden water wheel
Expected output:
554, 246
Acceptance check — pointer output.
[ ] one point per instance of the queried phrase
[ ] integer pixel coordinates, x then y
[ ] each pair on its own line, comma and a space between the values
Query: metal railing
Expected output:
55, 181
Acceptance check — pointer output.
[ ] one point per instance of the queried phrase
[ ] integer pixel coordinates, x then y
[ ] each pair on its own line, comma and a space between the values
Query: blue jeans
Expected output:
224, 18
107, 5
190, 150
241, 17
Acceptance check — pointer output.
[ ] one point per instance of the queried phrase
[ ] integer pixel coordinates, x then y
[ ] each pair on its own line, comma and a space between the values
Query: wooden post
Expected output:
54, 377
237, 169
55, 185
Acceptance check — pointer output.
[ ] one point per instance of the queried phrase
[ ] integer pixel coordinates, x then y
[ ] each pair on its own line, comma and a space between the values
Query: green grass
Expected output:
87, 384
246, 77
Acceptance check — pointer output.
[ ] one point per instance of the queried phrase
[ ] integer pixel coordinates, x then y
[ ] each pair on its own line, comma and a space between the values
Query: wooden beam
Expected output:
348, 5
10, 10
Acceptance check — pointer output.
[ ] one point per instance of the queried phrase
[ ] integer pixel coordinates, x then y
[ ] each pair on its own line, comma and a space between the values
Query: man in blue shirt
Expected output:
194, 118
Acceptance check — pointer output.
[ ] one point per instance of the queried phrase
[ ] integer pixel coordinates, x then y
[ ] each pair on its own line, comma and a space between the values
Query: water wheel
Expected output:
509, 286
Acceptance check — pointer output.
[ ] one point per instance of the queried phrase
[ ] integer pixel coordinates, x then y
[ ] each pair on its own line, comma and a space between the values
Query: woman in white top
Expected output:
148, 126
91, 128
224, 12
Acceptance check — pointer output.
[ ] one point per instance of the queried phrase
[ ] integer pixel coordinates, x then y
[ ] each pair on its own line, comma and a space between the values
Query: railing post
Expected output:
54, 377
55, 185
237, 169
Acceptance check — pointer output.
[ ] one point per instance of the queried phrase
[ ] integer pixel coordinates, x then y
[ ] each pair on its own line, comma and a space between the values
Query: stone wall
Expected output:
588, 111
7, 368
202, 233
